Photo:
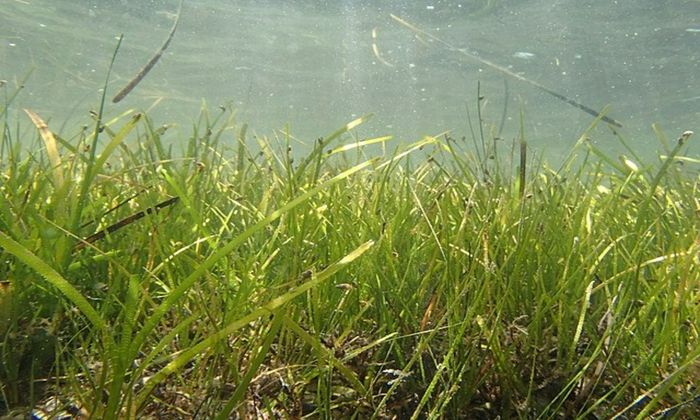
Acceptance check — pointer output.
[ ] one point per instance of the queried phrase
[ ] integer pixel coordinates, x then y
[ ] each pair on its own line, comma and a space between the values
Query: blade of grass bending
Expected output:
55, 279
152, 62
226, 249
507, 72
51, 146
270, 307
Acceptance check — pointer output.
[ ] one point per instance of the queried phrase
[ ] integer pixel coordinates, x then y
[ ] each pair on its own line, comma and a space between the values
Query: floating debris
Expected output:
375, 49
524, 55
152, 62
507, 72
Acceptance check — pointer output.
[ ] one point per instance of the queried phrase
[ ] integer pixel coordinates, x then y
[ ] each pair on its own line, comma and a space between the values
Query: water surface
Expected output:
309, 66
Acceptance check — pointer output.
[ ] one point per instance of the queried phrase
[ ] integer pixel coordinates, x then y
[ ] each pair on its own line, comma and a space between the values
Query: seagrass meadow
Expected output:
441, 278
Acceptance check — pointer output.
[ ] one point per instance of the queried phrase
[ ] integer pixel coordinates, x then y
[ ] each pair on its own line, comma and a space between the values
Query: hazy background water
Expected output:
309, 65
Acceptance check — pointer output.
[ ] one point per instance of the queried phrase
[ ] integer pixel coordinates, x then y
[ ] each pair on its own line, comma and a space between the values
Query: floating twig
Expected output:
507, 72
152, 62
124, 222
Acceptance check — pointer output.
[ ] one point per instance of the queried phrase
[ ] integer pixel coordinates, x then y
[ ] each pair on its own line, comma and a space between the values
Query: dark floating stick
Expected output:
123, 223
507, 72
152, 62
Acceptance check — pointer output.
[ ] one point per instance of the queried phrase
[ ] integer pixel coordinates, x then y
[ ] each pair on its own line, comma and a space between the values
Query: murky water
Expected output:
311, 65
